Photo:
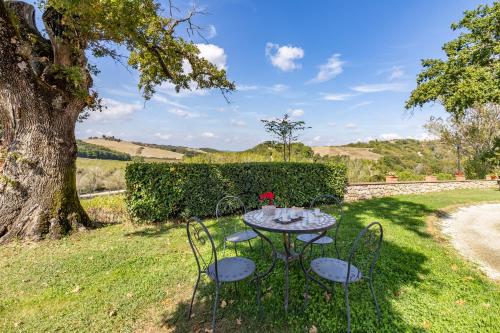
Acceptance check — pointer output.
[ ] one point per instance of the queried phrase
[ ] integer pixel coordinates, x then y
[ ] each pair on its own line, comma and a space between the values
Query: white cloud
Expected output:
296, 112
359, 105
163, 136
380, 87
208, 135
317, 138
115, 110
278, 87
328, 71
332, 124
336, 97
245, 87
164, 100
183, 113
350, 126
396, 72
390, 136
284, 57
424, 137
212, 32
238, 123
213, 54
168, 88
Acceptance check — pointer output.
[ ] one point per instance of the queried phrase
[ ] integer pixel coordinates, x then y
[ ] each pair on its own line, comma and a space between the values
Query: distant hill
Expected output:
88, 150
409, 154
135, 149
187, 151
354, 153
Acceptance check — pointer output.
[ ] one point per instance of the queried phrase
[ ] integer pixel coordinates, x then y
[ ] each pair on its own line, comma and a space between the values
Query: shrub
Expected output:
157, 191
407, 175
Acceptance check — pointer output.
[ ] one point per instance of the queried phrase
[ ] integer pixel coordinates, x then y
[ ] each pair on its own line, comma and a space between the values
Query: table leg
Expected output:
286, 243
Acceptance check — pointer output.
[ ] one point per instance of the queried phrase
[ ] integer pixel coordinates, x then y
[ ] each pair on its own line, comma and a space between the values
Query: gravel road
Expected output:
475, 233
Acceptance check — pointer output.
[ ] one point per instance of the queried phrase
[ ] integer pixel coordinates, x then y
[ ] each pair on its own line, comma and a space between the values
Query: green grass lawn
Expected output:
124, 278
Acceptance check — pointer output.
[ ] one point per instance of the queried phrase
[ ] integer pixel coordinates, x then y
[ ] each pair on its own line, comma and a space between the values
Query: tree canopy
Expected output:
470, 74
149, 31
285, 130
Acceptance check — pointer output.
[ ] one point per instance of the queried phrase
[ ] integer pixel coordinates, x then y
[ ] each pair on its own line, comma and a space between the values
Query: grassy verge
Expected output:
124, 278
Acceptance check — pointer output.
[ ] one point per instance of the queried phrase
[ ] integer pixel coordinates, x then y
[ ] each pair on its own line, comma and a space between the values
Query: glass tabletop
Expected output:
310, 221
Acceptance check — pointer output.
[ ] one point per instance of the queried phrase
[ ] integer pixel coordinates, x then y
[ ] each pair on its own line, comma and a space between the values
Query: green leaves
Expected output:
470, 74
157, 191
150, 36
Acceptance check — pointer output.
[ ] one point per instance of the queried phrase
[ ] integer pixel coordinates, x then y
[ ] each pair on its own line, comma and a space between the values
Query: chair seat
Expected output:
242, 236
232, 269
335, 270
308, 237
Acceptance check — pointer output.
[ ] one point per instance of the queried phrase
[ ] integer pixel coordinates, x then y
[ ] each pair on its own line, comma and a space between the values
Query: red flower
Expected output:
269, 196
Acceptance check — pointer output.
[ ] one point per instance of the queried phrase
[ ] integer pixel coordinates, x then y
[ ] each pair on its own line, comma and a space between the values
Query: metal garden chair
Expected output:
233, 204
362, 258
231, 269
325, 240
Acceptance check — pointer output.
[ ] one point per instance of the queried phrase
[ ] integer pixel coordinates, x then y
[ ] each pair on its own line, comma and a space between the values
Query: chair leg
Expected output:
322, 250
336, 249
348, 309
375, 300
235, 249
250, 244
194, 293
224, 248
216, 303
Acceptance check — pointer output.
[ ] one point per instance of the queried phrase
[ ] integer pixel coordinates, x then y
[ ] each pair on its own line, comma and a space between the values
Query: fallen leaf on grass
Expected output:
328, 296
460, 302
223, 304
313, 329
454, 267
231, 301
426, 324
238, 321
112, 313
130, 295
76, 290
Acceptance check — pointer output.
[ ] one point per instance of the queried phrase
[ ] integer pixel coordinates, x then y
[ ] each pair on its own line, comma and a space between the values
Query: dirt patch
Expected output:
475, 232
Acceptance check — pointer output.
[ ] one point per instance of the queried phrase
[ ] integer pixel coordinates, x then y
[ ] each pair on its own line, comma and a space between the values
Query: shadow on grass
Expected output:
157, 230
399, 266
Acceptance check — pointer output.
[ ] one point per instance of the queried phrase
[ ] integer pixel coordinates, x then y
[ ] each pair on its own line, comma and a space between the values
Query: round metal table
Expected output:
310, 223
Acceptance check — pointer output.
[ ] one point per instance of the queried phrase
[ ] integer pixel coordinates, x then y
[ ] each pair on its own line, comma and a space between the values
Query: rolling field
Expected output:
136, 150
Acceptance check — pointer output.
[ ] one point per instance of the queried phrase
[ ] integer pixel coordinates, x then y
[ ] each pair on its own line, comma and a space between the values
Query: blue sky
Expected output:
344, 67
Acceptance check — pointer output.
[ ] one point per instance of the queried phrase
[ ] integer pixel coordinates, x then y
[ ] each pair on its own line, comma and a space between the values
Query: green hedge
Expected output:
157, 191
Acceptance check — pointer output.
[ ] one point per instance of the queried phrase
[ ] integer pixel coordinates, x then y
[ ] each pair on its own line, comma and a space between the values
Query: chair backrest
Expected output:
202, 244
230, 204
331, 200
365, 249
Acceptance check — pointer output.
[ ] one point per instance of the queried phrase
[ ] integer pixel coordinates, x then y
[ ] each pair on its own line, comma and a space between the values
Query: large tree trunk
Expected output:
38, 197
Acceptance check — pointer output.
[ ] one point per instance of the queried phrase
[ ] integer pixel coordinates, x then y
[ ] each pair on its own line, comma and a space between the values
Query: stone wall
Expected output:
361, 191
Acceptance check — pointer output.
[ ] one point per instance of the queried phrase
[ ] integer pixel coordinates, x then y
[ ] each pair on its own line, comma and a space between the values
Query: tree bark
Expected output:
38, 197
